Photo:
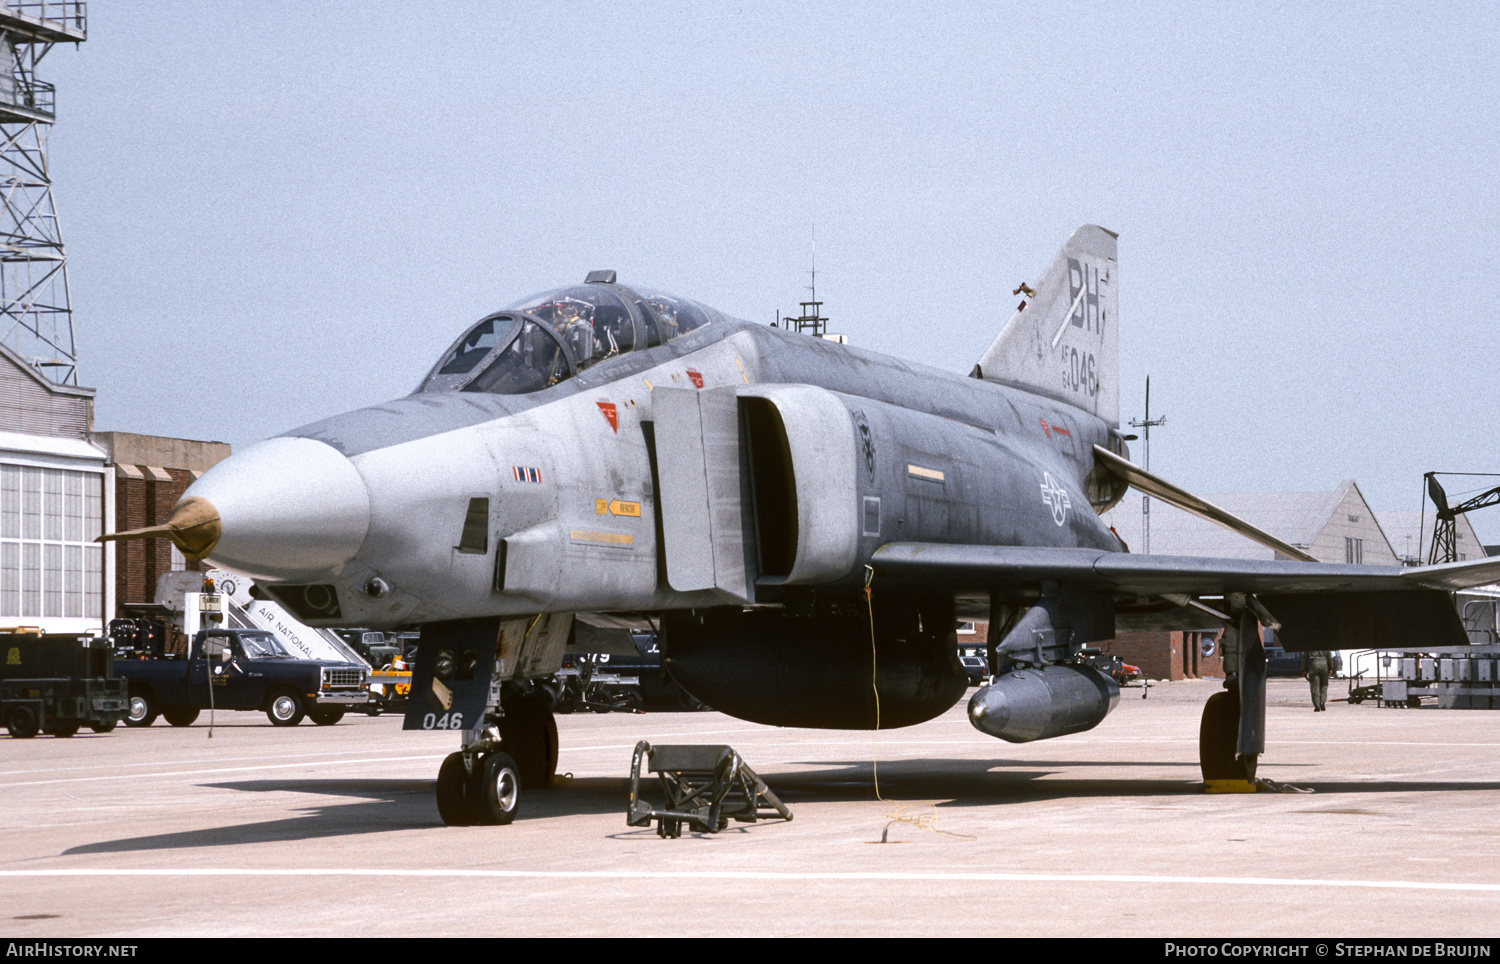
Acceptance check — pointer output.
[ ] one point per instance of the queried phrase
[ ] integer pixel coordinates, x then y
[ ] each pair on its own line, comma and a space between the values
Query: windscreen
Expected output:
538, 342
263, 646
590, 319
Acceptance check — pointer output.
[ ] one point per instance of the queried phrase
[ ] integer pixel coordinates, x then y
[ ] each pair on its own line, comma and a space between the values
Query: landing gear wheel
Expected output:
550, 694
21, 722
1218, 733
285, 709
495, 790
326, 716
528, 733
180, 715
104, 727
143, 710
452, 798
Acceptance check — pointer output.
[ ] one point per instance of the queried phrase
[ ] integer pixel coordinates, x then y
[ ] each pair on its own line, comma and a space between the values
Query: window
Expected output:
1354, 550
50, 566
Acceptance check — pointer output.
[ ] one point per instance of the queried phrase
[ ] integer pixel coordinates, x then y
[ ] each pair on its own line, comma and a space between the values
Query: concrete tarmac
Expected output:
333, 831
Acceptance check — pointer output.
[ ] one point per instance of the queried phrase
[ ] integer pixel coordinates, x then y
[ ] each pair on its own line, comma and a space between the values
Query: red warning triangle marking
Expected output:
608, 408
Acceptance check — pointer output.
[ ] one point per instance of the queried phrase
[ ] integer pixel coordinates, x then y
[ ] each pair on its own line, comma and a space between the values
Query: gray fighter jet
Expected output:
802, 521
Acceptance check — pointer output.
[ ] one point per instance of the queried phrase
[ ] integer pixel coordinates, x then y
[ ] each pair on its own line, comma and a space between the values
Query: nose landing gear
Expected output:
478, 788
517, 747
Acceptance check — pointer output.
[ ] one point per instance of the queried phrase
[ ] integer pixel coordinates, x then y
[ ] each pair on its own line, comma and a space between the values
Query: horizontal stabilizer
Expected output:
1172, 495
1454, 576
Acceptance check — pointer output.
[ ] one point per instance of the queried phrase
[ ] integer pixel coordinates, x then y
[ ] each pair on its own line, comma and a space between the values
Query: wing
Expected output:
1316, 605
1154, 485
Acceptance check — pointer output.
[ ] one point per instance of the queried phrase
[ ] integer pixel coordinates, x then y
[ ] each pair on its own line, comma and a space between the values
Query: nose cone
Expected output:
289, 508
990, 709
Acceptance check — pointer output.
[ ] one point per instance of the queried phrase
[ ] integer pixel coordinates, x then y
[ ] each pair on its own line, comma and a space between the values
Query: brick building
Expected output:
150, 475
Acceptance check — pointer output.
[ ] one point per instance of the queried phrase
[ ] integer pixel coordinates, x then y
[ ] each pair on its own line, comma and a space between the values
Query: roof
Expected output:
1309, 520
1401, 529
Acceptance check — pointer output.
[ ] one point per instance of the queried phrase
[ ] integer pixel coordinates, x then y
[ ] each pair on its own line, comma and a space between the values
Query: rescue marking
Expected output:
754, 875
526, 473
923, 473
1055, 497
608, 538
608, 408
632, 509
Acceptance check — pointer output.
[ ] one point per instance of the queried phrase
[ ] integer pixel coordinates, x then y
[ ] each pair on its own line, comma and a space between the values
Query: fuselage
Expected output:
453, 504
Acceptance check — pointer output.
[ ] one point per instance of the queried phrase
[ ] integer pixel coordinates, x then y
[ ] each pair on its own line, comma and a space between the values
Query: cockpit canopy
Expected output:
538, 342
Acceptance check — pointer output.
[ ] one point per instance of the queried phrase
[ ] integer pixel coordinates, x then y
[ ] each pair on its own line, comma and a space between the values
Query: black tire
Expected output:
550, 694
495, 794
65, 730
326, 715
374, 709
104, 726
528, 734
452, 792
180, 715
1414, 701
21, 722
1218, 733
285, 709
142, 710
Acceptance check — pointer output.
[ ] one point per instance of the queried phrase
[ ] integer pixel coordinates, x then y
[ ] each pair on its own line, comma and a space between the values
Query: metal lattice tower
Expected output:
36, 313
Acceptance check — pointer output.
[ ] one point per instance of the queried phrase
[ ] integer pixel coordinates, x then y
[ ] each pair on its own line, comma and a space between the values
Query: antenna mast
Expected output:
811, 321
1145, 425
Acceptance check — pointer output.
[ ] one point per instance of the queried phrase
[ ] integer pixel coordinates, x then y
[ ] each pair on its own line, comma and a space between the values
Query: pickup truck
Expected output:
251, 670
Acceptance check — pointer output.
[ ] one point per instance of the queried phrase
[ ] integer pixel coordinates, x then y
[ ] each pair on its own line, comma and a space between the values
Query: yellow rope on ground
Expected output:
874, 686
922, 821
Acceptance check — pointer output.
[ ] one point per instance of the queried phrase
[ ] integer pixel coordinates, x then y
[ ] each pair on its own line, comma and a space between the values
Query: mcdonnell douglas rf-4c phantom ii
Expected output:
802, 521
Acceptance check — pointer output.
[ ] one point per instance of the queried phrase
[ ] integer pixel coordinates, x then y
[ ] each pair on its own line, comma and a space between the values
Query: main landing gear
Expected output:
1217, 734
517, 747
1232, 734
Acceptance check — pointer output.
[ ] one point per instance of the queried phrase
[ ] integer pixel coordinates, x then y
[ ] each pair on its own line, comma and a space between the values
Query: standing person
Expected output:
1316, 666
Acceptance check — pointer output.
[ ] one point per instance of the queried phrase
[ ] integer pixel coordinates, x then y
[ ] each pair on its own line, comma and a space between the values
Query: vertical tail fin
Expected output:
1063, 341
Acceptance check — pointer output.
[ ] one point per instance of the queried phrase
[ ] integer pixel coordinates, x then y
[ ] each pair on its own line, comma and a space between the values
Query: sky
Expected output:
275, 212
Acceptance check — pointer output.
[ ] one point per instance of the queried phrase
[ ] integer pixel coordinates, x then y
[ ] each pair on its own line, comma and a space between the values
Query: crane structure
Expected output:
1445, 526
36, 312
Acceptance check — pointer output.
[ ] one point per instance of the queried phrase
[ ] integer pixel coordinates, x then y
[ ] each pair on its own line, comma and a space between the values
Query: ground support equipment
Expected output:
705, 786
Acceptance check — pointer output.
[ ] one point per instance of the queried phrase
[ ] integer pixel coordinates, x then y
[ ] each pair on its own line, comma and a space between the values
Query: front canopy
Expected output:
542, 340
